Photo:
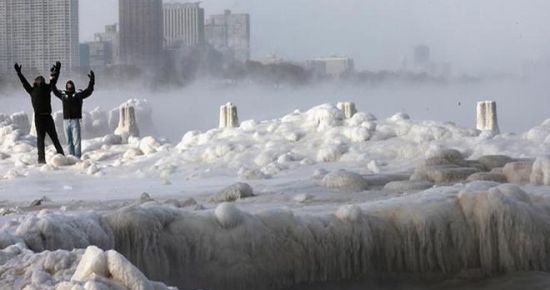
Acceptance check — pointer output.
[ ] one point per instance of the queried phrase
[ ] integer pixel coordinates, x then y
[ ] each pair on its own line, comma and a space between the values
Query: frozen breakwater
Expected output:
475, 230
328, 195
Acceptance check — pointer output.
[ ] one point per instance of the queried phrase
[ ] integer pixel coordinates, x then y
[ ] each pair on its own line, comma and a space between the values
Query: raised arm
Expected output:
90, 89
56, 92
24, 81
54, 74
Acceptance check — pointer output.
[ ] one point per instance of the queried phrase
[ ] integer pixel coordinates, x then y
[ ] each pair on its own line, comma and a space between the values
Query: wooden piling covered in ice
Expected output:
228, 116
487, 120
348, 108
127, 124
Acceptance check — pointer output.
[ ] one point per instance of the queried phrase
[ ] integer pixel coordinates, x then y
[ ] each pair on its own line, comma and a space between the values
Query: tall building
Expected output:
37, 33
141, 28
230, 34
111, 38
422, 55
183, 25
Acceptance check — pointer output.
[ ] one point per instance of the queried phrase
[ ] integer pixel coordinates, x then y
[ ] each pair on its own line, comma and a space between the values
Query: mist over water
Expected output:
522, 104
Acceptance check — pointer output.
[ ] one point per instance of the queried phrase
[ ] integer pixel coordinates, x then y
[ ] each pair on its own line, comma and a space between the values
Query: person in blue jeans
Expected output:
72, 112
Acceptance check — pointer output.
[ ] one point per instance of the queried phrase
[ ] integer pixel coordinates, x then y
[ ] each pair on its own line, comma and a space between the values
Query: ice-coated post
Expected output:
228, 116
127, 124
348, 108
487, 117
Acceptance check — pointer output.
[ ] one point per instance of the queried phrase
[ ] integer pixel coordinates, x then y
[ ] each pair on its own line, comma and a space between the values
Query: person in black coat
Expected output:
72, 112
40, 93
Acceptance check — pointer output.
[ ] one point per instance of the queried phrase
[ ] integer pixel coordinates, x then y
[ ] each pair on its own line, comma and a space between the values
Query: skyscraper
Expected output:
141, 31
183, 25
37, 33
422, 55
230, 34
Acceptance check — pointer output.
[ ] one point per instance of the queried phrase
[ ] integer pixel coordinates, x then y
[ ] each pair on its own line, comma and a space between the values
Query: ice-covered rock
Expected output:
487, 117
488, 176
229, 116
445, 157
92, 262
228, 215
324, 117
540, 173
494, 161
148, 145
408, 186
51, 231
234, 192
518, 171
21, 122
444, 166
350, 213
303, 198
345, 181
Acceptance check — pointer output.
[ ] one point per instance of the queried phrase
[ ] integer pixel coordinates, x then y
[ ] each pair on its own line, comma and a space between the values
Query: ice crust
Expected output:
476, 226
479, 227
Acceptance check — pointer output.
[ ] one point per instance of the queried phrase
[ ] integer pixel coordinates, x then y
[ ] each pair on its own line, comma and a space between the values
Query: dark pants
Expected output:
45, 125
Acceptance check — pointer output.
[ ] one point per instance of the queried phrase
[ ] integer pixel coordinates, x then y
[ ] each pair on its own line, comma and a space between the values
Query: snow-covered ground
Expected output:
306, 200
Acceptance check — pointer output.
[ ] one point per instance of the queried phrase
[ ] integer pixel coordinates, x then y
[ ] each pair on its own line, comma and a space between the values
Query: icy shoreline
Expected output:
322, 198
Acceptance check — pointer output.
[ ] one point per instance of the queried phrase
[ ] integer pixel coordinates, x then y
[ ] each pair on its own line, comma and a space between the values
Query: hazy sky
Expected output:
476, 36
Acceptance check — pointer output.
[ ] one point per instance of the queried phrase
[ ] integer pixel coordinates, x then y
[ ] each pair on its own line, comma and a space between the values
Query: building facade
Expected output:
141, 32
335, 67
183, 25
230, 34
37, 33
111, 39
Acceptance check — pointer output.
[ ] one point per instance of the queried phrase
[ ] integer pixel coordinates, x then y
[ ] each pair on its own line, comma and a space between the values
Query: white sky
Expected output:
476, 36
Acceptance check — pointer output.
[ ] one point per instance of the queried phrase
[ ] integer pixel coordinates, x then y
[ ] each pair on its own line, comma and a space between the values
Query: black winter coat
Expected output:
72, 101
40, 95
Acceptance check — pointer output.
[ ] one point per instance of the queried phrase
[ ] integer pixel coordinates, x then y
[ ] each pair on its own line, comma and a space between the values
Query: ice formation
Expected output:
348, 108
228, 116
438, 206
345, 181
487, 120
21, 268
234, 192
127, 125
480, 227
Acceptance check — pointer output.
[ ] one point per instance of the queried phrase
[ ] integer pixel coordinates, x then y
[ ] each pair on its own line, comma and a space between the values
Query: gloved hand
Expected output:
55, 68
91, 75
17, 68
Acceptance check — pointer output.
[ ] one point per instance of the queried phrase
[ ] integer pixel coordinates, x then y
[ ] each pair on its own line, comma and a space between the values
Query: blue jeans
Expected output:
72, 132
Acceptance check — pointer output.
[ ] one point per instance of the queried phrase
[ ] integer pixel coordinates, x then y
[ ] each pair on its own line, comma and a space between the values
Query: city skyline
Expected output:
470, 34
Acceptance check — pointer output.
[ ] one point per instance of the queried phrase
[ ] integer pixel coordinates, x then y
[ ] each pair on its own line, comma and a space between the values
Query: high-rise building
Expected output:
111, 38
422, 55
183, 25
230, 34
37, 33
141, 28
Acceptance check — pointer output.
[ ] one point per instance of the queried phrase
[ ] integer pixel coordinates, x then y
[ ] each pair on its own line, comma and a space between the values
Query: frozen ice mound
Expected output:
93, 268
321, 134
498, 229
51, 231
345, 181
234, 192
